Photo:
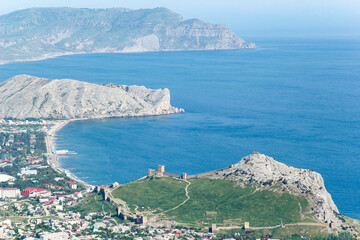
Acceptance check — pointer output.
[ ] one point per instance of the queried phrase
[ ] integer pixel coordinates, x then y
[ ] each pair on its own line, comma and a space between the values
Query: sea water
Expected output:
297, 100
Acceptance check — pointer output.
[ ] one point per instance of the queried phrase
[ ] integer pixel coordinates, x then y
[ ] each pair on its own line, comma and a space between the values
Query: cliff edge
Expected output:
265, 171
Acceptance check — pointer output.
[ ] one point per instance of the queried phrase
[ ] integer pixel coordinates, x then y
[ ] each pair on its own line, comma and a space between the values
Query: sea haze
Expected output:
295, 100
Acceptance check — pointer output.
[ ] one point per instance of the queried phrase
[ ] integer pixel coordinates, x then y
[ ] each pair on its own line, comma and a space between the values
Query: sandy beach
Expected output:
52, 159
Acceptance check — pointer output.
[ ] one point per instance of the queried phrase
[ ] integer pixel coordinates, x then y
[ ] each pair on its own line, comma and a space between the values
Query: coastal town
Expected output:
168, 120
38, 198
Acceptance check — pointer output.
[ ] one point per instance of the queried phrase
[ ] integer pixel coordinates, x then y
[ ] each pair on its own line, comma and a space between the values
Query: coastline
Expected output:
55, 55
52, 158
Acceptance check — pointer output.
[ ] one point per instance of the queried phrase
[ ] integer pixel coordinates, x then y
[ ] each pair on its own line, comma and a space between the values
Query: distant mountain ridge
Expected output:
40, 33
25, 96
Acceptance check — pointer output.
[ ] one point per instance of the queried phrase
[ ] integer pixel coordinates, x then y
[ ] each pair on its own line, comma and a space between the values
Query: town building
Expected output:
9, 193
27, 171
55, 236
6, 178
35, 192
71, 184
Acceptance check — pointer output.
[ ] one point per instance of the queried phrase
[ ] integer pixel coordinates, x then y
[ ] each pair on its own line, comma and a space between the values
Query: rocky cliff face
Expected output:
266, 171
39, 33
26, 96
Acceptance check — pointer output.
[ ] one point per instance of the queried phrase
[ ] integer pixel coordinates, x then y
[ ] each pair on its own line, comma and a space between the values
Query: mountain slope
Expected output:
25, 96
266, 171
45, 32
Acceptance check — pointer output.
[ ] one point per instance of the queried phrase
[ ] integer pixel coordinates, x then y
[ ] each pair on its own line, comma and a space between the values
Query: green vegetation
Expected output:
260, 208
154, 193
213, 201
94, 203
21, 144
291, 233
43, 177
23, 149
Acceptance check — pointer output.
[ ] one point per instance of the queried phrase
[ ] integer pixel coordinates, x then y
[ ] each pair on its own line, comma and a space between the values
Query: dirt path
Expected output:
101, 205
187, 198
300, 210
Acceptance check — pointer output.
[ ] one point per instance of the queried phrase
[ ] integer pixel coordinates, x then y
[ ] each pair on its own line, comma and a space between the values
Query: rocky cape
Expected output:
40, 33
26, 96
266, 172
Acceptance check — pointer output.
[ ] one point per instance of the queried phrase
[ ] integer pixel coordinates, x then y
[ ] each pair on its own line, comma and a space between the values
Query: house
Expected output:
59, 207
43, 200
54, 236
26, 171
60, 197
78, 194
35, 192
71, 184
9, 193
6, 178
34, 160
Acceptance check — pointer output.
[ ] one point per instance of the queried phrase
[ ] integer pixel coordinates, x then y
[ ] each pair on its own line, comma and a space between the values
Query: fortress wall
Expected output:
171, 175
205, 174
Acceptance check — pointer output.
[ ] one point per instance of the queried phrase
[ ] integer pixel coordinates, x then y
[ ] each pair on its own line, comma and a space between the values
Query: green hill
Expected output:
214, 201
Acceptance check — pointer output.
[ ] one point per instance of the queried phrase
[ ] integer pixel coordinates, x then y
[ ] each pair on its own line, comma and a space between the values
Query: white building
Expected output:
26, 171
71, 184
55, 236
9, 193
6, 178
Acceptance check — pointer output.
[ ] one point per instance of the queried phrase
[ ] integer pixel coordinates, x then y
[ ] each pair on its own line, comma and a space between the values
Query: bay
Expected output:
297, 100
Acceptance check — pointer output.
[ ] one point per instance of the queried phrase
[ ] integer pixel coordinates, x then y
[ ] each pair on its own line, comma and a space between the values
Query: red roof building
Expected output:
31, 191
71, 184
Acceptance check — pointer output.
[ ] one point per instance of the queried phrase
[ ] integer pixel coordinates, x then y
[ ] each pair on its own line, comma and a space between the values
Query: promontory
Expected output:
40, 33
25, 96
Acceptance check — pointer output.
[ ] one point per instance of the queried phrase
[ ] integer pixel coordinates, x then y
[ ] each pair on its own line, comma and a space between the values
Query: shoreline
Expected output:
52, 158
56, 55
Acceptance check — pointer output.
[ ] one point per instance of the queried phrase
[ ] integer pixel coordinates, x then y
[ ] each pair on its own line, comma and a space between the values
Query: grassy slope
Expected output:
94, 203
154, 193
233, 204
289, 233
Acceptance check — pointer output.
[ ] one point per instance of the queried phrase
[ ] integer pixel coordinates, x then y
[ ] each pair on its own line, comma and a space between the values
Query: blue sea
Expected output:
297, 100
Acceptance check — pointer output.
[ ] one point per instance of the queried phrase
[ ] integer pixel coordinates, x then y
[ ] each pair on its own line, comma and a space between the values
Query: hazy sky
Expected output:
243, 16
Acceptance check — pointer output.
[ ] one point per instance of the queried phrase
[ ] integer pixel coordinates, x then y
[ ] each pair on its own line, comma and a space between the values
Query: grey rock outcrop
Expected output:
26, 96
259, 169
40, 33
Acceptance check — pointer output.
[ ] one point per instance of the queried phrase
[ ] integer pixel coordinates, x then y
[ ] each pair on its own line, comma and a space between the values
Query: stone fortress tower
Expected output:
159, 172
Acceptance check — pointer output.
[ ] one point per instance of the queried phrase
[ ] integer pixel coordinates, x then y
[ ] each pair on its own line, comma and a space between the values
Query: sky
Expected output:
249, 17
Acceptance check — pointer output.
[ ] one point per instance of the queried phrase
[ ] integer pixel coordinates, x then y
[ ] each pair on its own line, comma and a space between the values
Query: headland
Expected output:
157, 29
258, 194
